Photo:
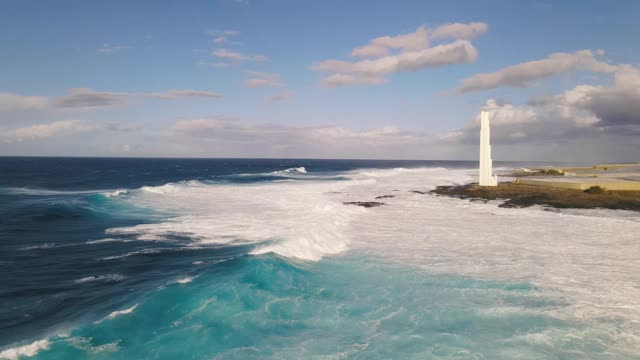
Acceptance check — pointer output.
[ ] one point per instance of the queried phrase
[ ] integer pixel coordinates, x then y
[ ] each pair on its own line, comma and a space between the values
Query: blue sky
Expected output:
130, 51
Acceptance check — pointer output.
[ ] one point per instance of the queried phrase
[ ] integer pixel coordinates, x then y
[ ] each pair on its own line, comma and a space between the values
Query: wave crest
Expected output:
293, 219
25, 350
293, 170
117, 313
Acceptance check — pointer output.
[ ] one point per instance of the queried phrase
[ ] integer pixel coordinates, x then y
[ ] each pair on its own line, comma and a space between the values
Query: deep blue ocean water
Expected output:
71, 288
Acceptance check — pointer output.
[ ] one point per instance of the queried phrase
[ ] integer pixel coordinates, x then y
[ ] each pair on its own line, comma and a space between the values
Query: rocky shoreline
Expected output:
517, 195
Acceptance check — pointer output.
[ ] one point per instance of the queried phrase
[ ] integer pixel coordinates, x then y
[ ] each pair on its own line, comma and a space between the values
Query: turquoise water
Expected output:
346, 307
260, 259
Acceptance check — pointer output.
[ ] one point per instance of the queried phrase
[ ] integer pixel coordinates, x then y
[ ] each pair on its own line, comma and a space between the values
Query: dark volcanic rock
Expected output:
516, 195
385, 196
367, 204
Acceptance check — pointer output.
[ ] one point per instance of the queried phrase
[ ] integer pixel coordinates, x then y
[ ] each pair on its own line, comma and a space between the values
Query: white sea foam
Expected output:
137, 252
299, 170
25, 350
115, 193
293, 219
590, 258
86, 344
117, 313
107, 240
185, 280
101, 278
42, 246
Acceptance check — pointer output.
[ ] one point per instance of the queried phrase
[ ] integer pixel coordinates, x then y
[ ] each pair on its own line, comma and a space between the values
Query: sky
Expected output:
320, 79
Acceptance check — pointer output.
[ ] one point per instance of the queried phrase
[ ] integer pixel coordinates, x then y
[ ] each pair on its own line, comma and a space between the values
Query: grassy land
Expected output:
520, 195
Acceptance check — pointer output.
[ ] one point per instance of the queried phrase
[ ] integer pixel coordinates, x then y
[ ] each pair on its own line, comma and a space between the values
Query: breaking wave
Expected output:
295, 170
443, 276
293, 219
117, 313
567, 251
25, 350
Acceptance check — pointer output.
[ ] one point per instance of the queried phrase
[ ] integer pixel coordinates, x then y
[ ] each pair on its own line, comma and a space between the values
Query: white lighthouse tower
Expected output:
486, 164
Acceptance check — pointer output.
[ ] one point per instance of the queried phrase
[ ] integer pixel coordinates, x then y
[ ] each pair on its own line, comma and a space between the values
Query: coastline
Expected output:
522, 195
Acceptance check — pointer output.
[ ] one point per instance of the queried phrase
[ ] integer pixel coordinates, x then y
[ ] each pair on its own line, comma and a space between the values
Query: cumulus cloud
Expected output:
525, 125
613, 106
16, 102
583, 112
527, 73
259, 79
460, 31
41, 131
237, 57
407, 52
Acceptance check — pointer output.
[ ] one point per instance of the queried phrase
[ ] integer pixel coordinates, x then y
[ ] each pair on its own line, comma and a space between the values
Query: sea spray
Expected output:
421, 277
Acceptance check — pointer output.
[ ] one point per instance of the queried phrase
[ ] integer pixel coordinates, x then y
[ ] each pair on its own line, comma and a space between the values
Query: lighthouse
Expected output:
486, 163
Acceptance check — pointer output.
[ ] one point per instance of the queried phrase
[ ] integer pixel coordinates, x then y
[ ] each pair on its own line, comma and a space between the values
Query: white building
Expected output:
486, 163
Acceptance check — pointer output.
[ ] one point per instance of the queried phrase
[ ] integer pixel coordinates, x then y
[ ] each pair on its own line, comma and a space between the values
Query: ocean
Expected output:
111, 258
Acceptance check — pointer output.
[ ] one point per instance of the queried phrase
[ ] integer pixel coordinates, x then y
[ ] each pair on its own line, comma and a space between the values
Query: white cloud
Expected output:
41, 131
616, 106
262, 79
226, 33
108, 49
219, 40
237, 57
336, 80
583, 112
15, 102
283, 96
527, 73
507, 114
87, 98
459, 31
370, 50
231, 130
217, 65
417, 40
231, 137
174, 94
522, 125
460, 51
82, 98
406, 52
